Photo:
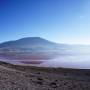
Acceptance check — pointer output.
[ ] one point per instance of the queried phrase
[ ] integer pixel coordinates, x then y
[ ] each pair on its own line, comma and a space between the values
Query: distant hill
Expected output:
31, 48
27, 43
39, 44
36, 48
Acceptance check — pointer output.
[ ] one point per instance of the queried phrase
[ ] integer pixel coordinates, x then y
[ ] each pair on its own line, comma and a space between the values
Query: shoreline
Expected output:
14, 77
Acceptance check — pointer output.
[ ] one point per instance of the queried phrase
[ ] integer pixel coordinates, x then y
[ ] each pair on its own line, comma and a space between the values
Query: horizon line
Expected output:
48, 40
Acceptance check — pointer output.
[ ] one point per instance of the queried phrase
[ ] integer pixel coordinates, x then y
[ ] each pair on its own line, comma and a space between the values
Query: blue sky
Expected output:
63, 21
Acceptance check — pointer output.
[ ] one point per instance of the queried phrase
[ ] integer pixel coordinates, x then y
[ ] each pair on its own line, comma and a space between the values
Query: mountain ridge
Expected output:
28, 42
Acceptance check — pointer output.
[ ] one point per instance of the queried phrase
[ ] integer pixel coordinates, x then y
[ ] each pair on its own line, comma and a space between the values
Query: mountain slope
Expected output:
27, 43
31, 48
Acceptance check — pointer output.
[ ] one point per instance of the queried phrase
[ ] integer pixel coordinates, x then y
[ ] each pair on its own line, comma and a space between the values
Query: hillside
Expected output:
16, 77
31, 48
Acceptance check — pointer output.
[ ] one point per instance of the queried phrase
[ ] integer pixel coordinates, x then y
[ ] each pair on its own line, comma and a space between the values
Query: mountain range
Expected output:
32, 43
37, 48
31, 48
27, 42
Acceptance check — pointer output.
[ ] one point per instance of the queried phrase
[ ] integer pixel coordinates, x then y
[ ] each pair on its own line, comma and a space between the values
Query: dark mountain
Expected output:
31, 48
27, 43
36, 48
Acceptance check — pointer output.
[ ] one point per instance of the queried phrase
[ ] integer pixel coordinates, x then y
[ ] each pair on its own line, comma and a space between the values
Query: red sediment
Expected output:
26, 56
31, 62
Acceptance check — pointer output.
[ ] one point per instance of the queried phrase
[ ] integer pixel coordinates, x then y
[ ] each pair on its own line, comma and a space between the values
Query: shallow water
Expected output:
80, 61
74, 61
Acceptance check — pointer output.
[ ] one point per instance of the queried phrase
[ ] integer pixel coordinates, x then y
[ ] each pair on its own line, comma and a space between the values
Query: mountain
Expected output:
31, 48
27, 43
36, 48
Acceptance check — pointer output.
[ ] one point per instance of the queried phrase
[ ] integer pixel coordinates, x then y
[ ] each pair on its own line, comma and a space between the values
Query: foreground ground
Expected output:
15, 77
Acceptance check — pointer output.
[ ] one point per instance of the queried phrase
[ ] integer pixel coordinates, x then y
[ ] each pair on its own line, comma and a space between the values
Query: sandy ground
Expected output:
15, 77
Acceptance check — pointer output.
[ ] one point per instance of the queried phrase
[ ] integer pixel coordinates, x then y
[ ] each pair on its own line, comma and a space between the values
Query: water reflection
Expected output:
67, 58
75, 61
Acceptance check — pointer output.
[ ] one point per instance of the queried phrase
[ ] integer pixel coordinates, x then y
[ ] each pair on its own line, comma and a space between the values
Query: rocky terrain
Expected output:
16, 77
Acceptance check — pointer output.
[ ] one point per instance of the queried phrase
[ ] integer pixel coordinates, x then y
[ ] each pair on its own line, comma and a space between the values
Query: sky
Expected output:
62, 21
